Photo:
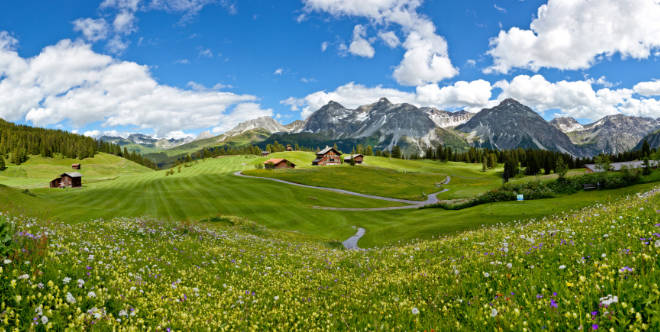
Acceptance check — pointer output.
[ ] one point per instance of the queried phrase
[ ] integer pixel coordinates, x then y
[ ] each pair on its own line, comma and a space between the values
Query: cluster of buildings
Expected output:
594, 168
327, 156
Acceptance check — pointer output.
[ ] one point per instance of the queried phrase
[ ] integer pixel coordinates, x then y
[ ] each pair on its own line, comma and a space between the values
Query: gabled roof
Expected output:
326, 150
72, 175
276, 161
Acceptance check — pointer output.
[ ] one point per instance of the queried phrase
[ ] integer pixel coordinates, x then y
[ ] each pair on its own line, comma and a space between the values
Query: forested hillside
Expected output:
18, 142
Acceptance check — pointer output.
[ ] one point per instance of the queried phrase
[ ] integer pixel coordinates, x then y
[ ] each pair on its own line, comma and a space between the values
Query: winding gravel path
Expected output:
431, 199
351, 243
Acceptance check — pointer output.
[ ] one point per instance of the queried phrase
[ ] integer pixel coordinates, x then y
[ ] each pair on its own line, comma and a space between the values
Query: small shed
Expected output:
278, 163
67, 180
265, 153
75, 166
327, 156
289, 147
358, 158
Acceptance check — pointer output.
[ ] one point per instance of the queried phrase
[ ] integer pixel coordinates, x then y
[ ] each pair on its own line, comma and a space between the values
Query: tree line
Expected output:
18, 142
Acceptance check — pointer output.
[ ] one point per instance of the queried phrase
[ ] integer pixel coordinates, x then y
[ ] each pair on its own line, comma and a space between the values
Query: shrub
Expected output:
5, 236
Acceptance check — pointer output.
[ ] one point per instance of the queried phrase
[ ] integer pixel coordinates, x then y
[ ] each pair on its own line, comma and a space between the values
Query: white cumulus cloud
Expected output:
575, 34
69, 82
426, 59
93, 30
390, 38
648, 89
360, 46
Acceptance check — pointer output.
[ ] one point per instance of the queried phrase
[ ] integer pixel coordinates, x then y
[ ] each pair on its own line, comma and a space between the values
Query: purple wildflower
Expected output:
594, 327
553, 303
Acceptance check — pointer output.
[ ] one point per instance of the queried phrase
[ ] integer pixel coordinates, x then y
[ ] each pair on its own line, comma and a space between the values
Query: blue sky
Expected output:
181, 67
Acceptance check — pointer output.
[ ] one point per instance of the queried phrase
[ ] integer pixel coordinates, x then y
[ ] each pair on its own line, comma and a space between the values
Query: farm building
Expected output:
278, 163
75, 166
265, 153
593, 168
358, 158
327, 156
289, 147
67, 180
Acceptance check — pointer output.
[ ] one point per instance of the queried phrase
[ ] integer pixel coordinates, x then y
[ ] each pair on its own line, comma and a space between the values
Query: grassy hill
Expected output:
38, 171
209, 189
583, 270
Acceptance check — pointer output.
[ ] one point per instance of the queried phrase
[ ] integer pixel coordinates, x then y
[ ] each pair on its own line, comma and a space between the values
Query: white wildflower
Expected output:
81, 283
561, 267
276, 297
123, 313
70, 298
657, 243
91, 294
415, 311
66, 280
509, 265
493, 312
486, 274
23, 276
608, 300
44, 320
6, 261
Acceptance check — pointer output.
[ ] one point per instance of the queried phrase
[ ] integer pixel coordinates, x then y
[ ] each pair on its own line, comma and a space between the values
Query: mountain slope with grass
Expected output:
37, 171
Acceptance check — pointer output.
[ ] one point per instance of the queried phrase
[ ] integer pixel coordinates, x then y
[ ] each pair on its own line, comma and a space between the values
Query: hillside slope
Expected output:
235, 275
38, 171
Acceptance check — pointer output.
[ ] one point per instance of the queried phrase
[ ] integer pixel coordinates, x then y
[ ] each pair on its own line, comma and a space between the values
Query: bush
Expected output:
5, 236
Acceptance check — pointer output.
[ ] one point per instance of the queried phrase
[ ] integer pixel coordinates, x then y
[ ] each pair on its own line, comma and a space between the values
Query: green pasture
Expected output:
119, 188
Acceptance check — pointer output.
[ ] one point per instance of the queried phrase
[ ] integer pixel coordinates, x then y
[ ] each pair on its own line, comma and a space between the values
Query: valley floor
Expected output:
209, 189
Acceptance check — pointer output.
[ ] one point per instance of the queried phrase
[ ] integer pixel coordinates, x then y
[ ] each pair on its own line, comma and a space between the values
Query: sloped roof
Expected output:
276, 161
72, 175
326, 150
621, 165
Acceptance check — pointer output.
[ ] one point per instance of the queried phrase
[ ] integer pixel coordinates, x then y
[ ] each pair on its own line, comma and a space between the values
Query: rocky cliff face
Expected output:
511, 125
566, 125
387, 123
613, 134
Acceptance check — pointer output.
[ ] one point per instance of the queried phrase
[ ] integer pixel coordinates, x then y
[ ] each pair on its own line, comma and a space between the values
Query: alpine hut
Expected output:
327, 156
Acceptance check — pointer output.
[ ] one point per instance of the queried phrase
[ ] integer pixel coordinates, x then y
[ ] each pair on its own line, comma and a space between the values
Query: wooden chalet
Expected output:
75, 166
358, 158
265, 153
327, 156
278, 163
67, 180
289, 147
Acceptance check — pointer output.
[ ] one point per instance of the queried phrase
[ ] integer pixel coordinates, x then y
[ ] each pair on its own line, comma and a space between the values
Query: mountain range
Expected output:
383, 124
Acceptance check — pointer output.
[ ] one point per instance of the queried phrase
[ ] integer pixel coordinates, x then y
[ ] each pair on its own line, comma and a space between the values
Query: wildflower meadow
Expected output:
593, 269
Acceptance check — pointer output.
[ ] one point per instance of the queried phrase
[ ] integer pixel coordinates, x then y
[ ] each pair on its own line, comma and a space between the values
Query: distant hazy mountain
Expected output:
612, 134
146, 141
512, 125
295, 126
567, 124
266, 122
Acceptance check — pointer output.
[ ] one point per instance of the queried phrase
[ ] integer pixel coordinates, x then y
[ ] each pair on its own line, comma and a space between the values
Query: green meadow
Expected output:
114, 187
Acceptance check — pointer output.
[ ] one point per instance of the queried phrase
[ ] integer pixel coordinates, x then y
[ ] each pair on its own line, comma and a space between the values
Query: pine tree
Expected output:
2, 163
646, 149
562, 168
396, 152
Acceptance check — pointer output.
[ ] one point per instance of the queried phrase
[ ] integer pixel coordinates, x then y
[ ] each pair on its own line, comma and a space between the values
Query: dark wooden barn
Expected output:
76, 166
327, 156
67, 180
278, 163
358, 158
